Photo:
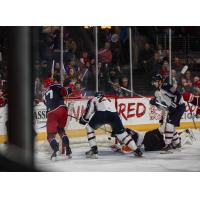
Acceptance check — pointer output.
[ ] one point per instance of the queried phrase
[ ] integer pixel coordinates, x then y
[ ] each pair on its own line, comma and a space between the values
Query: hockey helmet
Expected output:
99, 94
157, 77
47, 82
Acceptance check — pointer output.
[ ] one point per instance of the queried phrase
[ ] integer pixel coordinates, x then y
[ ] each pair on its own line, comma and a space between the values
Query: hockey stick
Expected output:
123, 88
160, 104
84, 75
138, 95
104, 129
195, 127
52, 69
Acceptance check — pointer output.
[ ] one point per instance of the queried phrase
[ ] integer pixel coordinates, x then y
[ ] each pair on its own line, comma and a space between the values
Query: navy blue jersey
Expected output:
169, 95
53, 97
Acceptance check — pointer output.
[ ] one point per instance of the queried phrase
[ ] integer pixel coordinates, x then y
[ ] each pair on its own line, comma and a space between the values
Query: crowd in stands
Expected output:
79, 65
3, 69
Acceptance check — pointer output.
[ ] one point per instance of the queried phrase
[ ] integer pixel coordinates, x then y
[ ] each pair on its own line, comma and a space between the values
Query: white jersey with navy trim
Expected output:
169, 95
98, 104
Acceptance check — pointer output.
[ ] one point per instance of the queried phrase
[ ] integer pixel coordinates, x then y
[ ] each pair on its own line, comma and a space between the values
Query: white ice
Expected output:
188, 159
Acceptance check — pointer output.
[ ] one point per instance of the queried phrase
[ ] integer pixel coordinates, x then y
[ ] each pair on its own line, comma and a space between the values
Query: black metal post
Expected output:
20, 87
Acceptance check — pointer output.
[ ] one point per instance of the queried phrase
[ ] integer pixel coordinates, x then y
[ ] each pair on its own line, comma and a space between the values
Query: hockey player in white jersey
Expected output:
100, 111
167, 97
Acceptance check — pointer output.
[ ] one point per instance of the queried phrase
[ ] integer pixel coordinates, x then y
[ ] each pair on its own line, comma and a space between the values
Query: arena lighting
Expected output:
105, 27
102, 27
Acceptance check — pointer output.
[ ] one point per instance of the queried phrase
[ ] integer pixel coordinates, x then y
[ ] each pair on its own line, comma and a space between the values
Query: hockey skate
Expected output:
178, 146
138, 152
190, 134
92, 153
55, 155
69, 152
167, 149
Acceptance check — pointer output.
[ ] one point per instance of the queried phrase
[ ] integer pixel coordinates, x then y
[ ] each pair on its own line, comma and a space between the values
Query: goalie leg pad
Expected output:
127, 140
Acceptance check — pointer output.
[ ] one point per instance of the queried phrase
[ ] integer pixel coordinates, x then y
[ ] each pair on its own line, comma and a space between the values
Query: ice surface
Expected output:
188, 159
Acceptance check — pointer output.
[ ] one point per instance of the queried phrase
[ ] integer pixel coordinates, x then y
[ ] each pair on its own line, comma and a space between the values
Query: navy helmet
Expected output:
157, 77
99, 94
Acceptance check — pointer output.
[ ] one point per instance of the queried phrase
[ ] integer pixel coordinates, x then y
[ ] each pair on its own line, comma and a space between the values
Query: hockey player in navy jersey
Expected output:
168, 98
100, 111
57, 113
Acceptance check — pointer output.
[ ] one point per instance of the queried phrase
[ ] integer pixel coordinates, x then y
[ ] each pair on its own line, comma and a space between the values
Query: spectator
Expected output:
188, 77
156, 63
145, 57
103, 76
164, 71
125, 84
38, 88
3, 93
71, 75
75, 72
185, 87
37, 69
115, 89
174, 79
44, 69
197, 88
76, 92
166, 55
55, 45
160, 51
195, 79
177, 64
71, 45
105, 54
84, 58
3, 101
115, 73
116, 49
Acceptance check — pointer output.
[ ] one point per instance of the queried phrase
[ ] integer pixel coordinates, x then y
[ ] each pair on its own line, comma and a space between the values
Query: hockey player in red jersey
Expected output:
194, 99
57, 113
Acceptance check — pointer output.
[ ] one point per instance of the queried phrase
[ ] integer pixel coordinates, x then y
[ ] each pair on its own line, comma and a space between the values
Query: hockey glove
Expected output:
153, 102
164, 104
83, 121
138, 152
